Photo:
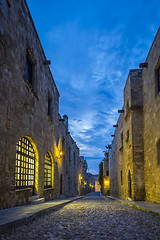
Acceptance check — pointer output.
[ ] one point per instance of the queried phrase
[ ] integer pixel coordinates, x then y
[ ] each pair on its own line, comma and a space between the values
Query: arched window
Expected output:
25, 164
47, 171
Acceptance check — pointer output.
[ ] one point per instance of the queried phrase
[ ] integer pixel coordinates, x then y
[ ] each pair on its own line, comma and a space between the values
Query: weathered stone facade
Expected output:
86, 179
126, 154
29, 106
151, 112
135, 153
106, 175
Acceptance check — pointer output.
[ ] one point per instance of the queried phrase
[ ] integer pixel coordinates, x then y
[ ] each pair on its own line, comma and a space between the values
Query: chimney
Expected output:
65, 118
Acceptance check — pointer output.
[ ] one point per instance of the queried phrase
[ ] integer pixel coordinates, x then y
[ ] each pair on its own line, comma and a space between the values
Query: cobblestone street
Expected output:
92, 217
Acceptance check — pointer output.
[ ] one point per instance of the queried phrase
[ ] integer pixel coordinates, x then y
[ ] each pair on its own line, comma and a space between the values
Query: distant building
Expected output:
134, 157
106, 175
97, 186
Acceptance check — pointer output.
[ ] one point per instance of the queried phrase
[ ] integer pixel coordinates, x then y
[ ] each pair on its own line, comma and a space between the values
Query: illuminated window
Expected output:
158, 152
29, 70
25, 164
48, 171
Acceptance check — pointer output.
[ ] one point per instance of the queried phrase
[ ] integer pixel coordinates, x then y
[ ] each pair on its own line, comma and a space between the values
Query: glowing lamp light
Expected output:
61, 153
106, 182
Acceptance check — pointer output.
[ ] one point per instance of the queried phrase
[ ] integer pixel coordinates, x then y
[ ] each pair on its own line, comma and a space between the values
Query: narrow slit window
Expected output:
29, 70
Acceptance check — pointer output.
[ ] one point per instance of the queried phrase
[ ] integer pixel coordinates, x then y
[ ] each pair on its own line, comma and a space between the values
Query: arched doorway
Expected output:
129, 185
25, 165
61, 184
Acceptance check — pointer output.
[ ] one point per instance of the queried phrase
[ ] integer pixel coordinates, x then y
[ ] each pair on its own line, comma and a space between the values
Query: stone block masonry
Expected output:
135, 150
34, 140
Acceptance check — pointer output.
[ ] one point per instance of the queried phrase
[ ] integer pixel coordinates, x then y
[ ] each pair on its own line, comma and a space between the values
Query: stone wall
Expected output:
151, 110
106, 175
28, 108
126, 154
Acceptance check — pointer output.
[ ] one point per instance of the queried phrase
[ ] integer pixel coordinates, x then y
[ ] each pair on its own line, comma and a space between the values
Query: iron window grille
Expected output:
25, 164
47, 171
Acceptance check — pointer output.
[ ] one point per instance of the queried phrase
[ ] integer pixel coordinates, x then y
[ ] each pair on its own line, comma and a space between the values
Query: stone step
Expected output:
38, 200
34, 197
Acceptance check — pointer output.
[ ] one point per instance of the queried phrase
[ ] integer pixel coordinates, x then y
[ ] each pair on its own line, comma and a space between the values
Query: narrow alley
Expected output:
92, 217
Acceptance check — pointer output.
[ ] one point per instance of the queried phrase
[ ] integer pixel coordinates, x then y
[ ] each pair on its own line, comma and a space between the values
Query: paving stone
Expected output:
93, 217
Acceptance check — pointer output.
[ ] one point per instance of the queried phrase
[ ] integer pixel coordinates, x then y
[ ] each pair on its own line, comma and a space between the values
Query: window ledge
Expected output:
31, 88
23, 189
121, 147
50, 119
48, 189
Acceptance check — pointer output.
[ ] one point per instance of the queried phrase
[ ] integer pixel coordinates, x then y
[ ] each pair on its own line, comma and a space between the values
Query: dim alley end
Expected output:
91, 217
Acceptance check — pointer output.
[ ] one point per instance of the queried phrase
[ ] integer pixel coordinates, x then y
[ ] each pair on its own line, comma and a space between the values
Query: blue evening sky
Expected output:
92, 45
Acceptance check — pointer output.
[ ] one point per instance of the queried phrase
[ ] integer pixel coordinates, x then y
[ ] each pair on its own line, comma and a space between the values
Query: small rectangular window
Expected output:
69, 153
122, 138
107, 173
158, 152
74, 158
49, 106
29, 70
127, 136
158, 79
121, 177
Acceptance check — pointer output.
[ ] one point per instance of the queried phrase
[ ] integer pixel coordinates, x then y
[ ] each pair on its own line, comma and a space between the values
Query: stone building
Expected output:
35, 146
106, 175
151, 113
134, 157
86, 179
126, 153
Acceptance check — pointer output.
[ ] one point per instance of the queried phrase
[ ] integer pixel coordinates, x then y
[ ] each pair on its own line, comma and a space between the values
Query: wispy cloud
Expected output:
90, 72
92, 49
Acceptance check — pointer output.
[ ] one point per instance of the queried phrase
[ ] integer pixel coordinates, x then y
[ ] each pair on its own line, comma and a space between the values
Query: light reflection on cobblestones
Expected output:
92, 217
